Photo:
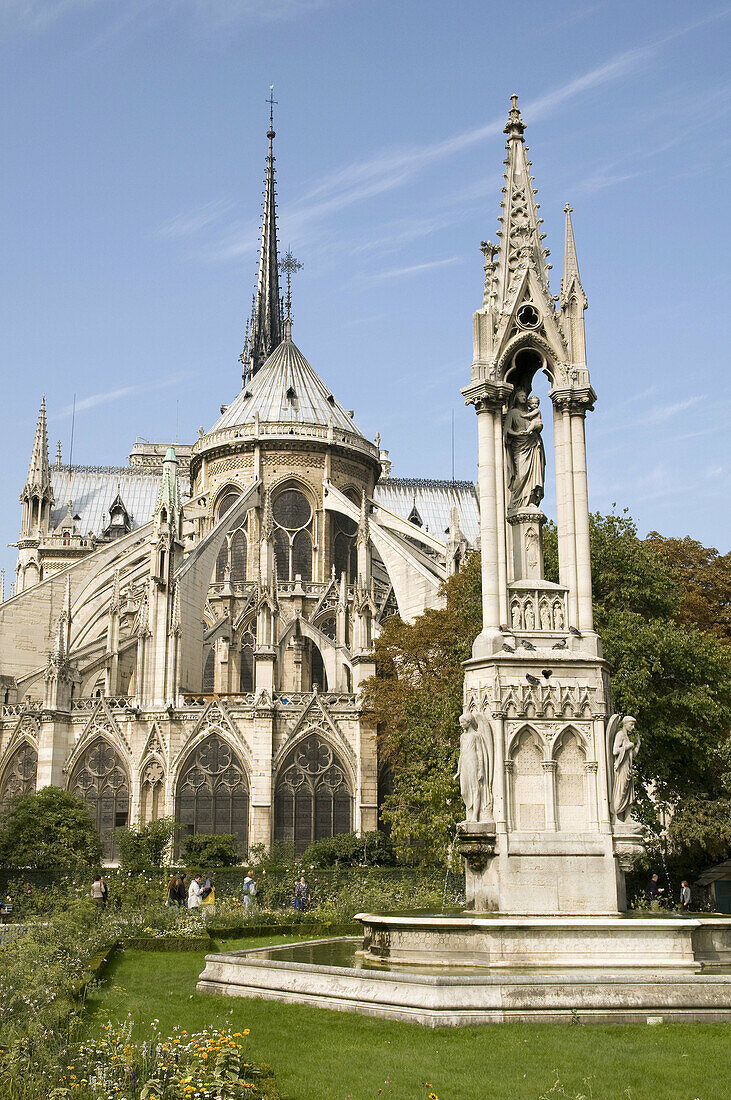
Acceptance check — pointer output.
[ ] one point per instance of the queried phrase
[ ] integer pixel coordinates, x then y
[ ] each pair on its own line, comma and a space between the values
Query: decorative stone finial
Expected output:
515, 126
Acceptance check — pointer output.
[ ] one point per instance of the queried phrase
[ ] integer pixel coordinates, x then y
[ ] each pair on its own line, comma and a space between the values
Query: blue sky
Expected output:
133, 138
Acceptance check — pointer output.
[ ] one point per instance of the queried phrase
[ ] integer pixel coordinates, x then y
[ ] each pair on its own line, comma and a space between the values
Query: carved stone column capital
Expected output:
577, 402
486, 395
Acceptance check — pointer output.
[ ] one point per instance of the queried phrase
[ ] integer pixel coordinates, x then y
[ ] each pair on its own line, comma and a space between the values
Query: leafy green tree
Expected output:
417, 698
211, 850
147, 847
349, 850
48, 828
704, 577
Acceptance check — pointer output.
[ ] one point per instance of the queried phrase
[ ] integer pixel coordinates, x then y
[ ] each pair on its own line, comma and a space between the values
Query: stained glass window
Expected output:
20, 774
100, 778
312, 796
213, 792
293, 535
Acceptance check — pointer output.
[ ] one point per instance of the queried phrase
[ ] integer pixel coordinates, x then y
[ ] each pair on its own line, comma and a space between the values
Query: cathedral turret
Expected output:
37, 500
573, 299
265, 328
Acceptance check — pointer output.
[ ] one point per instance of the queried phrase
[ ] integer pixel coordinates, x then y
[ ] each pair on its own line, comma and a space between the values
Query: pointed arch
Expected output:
152, 789
528, 798
313, 797
100, 777
572, 802
20, 772
212, 790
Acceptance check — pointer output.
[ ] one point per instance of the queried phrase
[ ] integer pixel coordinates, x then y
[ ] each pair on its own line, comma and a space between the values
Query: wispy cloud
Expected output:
32, 16
186, 225
95, 399
660, 413
270, 11
413, 269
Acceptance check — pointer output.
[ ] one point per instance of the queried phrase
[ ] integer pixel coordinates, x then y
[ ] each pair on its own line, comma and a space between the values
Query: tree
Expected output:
146, 847
417, 698
704, 577
48, 828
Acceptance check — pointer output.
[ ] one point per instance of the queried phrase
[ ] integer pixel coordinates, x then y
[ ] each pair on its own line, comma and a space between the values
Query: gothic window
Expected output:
152, 791
20, 774
345, 555
312, 797
238, 556
213, 792
317, 669
327, 626
222, 562
293, 535
228, 501
209, 672
100, 779
246, 671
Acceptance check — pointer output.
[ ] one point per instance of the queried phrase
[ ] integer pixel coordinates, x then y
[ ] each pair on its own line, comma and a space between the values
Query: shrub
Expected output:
350, 850
48, 828
211, 850
146, 847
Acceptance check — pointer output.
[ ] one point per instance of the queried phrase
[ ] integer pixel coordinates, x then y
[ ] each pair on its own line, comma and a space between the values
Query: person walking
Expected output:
685, 896
248, 890
302, 896
173, 899
208, 895
195, 892
97, 893
655, 891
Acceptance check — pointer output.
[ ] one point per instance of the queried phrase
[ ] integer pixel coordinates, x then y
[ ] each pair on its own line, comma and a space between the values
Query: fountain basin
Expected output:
570, 942
437, 996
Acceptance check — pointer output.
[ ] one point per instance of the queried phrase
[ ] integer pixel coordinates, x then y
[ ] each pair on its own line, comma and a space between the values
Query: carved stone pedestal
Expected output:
476, 844
527, 527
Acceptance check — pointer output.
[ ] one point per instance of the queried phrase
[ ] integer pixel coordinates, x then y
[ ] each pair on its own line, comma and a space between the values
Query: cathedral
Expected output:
187, 635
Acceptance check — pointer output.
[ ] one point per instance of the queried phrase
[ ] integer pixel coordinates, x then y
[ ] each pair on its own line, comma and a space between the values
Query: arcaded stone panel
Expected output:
220, 469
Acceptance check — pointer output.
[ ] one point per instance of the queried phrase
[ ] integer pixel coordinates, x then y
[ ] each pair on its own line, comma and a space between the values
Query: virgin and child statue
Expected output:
526, 457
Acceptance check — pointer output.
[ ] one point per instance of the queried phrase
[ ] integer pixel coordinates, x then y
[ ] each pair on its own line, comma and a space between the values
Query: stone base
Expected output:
577, 942
562, 996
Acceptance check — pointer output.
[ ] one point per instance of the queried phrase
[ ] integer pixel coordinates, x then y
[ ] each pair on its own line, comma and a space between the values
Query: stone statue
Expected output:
475, 767
526, 457
621, 753
545, 617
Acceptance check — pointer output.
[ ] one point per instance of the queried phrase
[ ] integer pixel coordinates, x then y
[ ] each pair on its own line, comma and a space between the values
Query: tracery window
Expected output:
100, 778
228, 501
152, 791
213, 792
312, 797
20, 774
222, 562
246, 668
345, 554
293, 535
238, 556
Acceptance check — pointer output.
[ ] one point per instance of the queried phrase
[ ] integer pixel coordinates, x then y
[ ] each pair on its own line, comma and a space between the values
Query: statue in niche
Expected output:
526, 457
515, 616
530, 619
475, 767
531, 547
545, 617
557, 616
621, 752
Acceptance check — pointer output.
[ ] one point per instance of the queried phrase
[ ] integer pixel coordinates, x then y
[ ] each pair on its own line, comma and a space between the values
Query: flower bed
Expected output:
212, 1064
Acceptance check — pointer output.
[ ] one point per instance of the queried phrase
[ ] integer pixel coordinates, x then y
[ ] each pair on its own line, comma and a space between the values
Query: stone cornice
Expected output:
486, 394
575, 401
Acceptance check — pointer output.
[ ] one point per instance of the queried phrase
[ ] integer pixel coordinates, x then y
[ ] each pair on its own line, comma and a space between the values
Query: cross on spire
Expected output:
289, 266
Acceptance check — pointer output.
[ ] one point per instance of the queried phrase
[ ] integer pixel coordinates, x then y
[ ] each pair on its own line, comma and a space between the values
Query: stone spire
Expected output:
521, 239
167, 508
39, 472
265, 331
573, 299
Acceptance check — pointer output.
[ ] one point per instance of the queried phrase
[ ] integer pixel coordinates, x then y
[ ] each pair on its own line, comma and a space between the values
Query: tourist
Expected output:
655, 891
685, 896
248, 890
208, 891
98, 893
174, 900
302, 896
195, 890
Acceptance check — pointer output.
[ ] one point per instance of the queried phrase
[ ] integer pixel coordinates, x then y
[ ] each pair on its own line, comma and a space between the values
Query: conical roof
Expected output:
286, 390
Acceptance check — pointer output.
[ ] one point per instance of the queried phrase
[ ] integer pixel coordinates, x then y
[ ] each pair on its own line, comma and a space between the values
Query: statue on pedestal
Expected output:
475, 767
621, 753
526, 457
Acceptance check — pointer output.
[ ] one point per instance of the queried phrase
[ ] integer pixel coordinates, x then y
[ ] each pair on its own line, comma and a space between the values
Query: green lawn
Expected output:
322, 1055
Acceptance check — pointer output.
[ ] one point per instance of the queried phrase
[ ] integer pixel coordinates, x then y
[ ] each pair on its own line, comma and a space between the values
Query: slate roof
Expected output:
286, 390
92, 489
434, 500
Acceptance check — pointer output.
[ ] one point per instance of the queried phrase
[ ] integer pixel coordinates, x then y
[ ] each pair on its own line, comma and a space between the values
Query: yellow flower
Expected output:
246, 1030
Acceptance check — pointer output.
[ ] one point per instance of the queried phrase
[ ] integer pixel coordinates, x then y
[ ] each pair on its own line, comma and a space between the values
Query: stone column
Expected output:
549, 790
261, 812
581, 520
591, 768
502, 562
509, 768
499, 783
55, 739
565, 505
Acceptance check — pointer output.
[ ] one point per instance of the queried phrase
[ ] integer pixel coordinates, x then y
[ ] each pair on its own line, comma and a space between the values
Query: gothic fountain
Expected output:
545, 764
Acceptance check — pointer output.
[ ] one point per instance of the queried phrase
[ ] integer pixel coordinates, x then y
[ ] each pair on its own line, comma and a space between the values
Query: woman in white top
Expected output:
195, 891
